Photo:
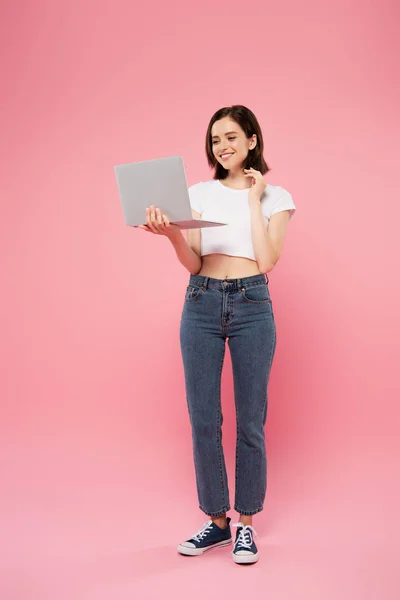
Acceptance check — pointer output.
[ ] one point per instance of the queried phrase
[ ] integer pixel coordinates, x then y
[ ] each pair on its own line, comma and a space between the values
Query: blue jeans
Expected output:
239, 310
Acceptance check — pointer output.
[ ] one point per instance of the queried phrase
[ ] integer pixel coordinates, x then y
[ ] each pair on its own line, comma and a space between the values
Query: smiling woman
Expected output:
234, 131
257, 223
227, 298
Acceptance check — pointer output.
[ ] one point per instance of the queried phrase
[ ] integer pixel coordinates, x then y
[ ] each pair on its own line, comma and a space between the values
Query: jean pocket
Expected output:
259, 294
193, 292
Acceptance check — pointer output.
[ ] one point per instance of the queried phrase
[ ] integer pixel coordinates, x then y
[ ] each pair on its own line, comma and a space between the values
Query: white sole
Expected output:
243, 559
198, 551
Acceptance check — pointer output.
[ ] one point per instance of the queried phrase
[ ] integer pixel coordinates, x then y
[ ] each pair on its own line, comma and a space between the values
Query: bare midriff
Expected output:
222, 266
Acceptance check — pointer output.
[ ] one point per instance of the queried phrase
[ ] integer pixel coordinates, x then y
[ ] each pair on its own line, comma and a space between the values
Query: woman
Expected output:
228, 298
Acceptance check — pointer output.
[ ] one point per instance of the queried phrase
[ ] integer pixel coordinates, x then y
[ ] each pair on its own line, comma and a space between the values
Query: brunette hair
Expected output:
247, 120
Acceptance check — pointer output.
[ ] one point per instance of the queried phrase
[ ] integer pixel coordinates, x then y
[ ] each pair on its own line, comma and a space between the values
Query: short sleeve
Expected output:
284, 201
195, 197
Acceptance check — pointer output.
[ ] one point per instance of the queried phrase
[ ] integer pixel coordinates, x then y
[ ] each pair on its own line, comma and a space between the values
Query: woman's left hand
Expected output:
258, 184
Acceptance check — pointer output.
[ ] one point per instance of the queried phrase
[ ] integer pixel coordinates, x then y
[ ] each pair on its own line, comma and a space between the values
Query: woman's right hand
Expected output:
158, 223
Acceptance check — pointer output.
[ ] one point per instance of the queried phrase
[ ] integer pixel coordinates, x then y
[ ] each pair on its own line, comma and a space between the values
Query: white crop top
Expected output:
217, 202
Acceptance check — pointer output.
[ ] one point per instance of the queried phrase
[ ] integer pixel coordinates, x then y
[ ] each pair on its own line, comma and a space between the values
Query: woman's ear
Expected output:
253, 142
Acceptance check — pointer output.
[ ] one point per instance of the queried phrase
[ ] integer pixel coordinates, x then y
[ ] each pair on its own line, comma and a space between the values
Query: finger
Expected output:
144, 227
166, 220
149, 221
157, 221
154, 216
153, 221
152, 213
159, 216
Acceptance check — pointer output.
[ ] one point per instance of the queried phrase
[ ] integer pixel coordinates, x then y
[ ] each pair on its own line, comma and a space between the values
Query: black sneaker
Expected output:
244, 548
209, 536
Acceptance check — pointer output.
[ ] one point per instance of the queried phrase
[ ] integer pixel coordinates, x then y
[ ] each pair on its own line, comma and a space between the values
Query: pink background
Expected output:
97, 476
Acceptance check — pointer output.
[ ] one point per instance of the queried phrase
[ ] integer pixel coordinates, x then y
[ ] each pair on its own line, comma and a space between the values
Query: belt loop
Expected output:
205, 282
239, 284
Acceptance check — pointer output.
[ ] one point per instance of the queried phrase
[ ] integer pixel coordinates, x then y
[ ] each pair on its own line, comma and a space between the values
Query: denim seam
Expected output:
237, 444
243, 294
248, 512
271, 356
264, 408
215, 513
219, 443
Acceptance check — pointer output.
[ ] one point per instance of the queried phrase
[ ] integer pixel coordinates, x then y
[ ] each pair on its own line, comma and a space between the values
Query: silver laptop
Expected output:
161, 182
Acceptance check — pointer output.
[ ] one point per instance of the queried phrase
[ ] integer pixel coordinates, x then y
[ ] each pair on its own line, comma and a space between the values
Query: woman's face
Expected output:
230, 144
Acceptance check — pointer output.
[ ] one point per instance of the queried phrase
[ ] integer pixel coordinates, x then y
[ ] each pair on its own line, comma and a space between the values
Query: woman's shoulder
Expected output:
277, 198
203, 185
276, 190
198, 194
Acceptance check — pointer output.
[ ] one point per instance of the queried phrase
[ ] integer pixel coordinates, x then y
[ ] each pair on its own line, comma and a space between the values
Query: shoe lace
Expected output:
203, 531
245, 535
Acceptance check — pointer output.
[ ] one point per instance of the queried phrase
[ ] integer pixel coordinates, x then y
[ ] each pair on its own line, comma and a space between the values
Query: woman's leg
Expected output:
252, 343
203, 350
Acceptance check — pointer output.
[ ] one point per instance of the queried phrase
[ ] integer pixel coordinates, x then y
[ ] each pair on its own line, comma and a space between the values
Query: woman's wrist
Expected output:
175, 236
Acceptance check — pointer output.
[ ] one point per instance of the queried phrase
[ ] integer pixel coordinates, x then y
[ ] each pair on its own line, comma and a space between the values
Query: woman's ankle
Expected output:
220, 521
246, 520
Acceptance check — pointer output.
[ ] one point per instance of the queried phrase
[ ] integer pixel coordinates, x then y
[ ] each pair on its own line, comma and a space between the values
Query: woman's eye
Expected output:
230, 138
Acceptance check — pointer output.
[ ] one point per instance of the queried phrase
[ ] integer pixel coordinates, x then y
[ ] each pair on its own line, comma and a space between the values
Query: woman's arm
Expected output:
188, 252
267, 243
